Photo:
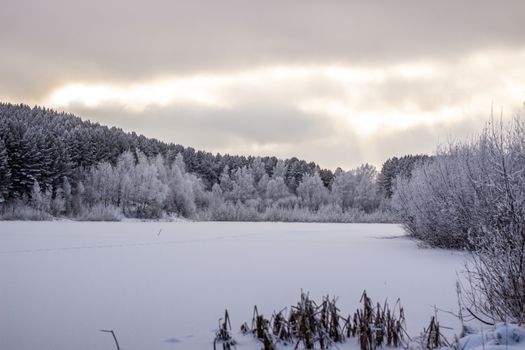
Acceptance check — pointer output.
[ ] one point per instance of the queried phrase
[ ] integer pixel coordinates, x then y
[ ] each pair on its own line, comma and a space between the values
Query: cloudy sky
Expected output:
336, 82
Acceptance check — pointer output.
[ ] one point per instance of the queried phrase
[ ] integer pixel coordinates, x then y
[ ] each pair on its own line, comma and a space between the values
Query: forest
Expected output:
56, 165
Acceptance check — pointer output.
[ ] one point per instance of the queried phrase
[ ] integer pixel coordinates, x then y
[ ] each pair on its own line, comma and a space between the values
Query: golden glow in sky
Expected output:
365, 99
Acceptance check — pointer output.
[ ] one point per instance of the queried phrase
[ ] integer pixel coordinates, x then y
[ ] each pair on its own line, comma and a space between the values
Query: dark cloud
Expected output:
214, 129
130, 40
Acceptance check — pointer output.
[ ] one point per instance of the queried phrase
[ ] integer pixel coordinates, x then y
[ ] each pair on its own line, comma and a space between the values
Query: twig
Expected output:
114, 337
479, 319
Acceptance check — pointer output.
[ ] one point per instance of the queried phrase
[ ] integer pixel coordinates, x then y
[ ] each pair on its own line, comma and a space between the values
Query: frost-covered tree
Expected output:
344, 189
39, 200
68, 197
312, 191
243, 186
276, 189
367, 196
147, 191
32, 164
258, 169
58, 203
225, 180
102, 185
398, 167
125, 168
356, 189
76, 199
5, 173
280, 169
181, 195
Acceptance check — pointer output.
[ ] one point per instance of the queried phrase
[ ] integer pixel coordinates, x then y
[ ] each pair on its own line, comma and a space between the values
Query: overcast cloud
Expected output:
336, 82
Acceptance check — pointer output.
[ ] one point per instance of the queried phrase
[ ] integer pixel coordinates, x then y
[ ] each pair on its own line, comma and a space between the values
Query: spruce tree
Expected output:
5, 173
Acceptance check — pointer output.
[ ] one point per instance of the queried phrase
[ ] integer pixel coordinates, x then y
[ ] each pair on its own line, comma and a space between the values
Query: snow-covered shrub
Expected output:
502, 336
330, 213
246, 212
101, 212
473, 196
358, 216
20, 211
435, 203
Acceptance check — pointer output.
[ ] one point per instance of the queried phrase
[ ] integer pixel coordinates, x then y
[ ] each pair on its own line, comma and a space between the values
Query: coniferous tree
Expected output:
5, 173
68, 197
13, 140
31, 164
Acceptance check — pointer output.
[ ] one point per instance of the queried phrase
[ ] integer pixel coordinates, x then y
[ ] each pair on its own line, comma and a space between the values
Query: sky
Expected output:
340, 83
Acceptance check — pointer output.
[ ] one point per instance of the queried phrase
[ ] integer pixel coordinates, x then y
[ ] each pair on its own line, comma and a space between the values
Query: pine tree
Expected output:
76, 199
31, 161
68, 197
5, 173
13, 144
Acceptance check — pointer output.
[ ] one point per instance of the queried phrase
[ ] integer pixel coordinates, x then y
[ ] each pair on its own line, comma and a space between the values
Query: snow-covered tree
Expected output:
366, 192
225, 180
280, 169
276, 189
147, 191
125, 168
312, 191
76, 199
5, 173
243, 186
58, 203
102, 185
181, 196
39, 200
344, 189
68, 197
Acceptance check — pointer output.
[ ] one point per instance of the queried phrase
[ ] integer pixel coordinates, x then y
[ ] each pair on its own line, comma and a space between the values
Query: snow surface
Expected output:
164, 285
500, 337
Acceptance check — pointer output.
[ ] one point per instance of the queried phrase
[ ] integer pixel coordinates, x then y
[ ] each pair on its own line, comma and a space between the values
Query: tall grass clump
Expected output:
322, 325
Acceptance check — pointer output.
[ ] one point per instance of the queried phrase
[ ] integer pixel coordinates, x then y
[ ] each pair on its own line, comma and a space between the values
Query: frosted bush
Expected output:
20, 211
473, 196
100, 212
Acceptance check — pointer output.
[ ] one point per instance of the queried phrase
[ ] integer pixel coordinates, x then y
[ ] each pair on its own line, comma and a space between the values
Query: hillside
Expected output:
46, 145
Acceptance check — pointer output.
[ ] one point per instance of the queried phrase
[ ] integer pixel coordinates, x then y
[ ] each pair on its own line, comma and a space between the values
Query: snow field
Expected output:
163, 285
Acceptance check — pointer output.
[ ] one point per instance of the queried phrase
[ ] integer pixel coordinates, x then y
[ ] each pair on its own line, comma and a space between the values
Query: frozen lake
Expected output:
61, 282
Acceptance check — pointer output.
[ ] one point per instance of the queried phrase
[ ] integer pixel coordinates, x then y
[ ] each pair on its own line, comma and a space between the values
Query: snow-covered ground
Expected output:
163, 285
500, 337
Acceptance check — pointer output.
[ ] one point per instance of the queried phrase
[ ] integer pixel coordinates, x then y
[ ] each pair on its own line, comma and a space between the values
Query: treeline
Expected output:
55, 164
48, 145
